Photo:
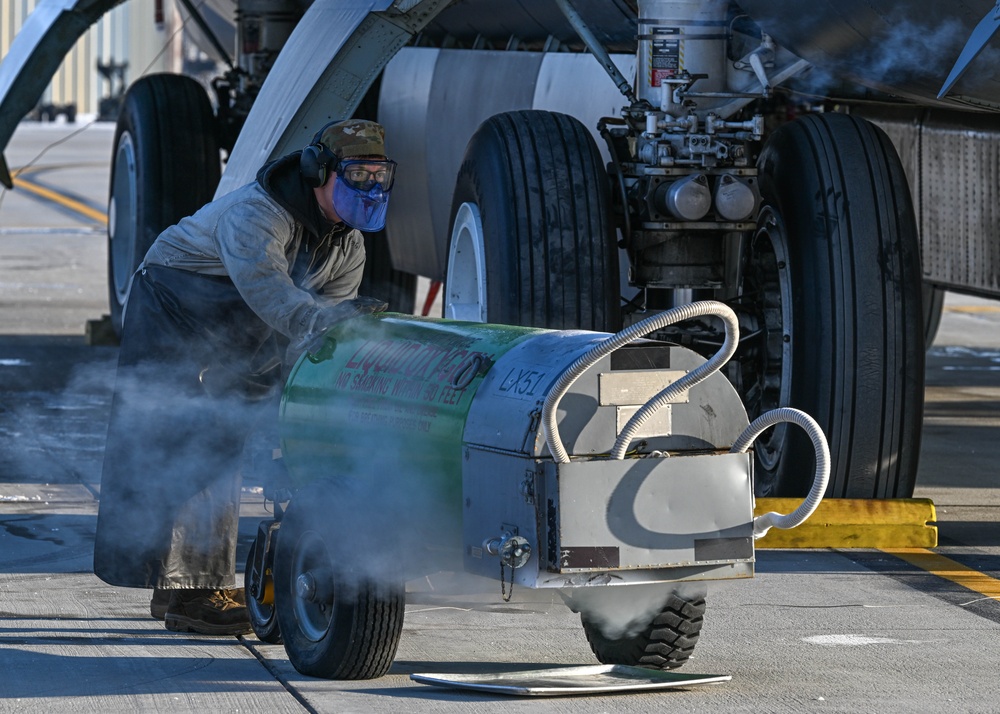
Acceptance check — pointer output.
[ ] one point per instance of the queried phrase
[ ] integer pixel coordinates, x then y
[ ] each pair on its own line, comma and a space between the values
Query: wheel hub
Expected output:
305, 587
465, 286
312, 586
122, 216
765, 367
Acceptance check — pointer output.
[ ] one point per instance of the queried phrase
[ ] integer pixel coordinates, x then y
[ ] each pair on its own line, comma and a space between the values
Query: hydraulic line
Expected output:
596, 49
630, 334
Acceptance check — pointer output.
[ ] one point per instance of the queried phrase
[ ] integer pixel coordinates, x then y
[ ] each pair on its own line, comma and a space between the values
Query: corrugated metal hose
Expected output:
657, 322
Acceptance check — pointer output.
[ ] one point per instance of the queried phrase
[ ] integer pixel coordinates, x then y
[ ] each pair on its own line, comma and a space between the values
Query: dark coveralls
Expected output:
208, 320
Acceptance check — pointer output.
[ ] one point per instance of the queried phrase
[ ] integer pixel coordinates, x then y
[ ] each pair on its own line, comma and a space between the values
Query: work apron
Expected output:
197, 369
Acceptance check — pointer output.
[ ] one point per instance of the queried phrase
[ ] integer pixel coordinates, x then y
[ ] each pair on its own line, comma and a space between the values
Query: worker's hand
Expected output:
330, 316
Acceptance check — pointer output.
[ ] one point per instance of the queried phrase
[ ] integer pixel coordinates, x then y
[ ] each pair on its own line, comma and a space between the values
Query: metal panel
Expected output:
951, 160
604, 522
661, 423
960, 199
649, 513
496, 499
599, 679
466, 89
636, 386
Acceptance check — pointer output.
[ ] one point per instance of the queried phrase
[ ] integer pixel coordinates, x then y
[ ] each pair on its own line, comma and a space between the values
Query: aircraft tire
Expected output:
834, 265
165, 167
536, 180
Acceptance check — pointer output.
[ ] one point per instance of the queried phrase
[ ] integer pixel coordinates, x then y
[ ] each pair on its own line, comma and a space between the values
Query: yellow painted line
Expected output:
948, 569
899, 527
854, 523
72, 204
973, 308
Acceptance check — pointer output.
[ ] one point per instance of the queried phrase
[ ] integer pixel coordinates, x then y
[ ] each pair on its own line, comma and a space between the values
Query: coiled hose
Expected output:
763, 522
630, 334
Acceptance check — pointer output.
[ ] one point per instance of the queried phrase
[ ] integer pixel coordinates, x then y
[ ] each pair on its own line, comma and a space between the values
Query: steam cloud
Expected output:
376, 495
171, 475
377, 502
903, 51
622, 612
54, 438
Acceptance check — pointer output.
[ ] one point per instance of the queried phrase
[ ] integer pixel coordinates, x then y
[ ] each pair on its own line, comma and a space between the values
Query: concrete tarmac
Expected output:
814, 631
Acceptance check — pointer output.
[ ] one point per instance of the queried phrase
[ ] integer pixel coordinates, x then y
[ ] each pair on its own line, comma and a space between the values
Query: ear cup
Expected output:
314, 164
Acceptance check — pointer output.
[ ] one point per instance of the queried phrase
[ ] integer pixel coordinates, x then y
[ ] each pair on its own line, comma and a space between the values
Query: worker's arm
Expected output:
251, 238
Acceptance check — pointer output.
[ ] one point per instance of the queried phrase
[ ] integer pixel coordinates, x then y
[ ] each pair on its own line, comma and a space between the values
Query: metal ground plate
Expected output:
566, 681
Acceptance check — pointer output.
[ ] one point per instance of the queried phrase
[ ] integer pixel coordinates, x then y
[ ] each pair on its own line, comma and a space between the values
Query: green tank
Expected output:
389, 393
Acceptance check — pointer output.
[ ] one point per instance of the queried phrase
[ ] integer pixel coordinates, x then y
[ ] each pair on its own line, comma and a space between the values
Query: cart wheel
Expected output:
665, 643
336, 624
263, 617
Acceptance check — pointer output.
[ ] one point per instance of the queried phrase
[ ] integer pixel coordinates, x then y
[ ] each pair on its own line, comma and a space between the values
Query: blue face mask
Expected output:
364, 210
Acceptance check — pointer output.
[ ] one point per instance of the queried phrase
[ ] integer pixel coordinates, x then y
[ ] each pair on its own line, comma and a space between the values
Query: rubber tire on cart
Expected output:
665, 643
834, 269
263, 616
335, 626
539, 249
165, 166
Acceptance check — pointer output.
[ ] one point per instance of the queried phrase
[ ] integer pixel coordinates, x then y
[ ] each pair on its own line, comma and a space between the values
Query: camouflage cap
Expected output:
353, 137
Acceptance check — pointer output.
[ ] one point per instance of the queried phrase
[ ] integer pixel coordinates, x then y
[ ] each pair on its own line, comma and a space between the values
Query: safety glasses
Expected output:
363, 174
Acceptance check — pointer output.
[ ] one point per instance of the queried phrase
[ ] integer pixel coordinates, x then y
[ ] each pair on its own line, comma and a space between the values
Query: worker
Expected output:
221, 303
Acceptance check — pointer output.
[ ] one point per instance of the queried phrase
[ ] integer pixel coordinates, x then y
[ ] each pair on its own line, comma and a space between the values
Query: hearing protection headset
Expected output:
315, 162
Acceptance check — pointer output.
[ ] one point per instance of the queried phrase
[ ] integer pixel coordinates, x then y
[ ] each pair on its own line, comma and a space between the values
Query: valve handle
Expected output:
514, 551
